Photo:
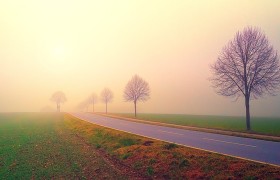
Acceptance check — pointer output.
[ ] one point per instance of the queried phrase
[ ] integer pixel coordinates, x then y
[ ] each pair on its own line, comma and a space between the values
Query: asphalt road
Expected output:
253, 149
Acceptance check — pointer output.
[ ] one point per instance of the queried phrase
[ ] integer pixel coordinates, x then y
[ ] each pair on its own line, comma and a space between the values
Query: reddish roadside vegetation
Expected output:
145, 158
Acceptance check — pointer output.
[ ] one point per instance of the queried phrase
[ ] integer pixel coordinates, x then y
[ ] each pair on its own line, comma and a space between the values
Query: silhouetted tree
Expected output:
58, 97
107, 96
136, 90
92, 99
247, 66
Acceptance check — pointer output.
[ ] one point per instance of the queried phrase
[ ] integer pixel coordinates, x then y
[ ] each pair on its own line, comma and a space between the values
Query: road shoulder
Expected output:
215, 131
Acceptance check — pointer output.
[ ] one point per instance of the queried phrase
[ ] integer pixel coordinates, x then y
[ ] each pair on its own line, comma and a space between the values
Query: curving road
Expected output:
253, 149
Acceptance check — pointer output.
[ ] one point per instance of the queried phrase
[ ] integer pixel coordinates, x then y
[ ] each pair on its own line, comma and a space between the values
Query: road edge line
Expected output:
199, 129
278, 166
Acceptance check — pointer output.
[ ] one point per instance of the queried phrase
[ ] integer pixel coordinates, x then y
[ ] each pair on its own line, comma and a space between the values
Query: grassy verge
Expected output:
187, 122
160, 160
39, 146
263, 125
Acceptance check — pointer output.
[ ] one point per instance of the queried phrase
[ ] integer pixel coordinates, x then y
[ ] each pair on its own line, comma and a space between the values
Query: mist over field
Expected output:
81, 47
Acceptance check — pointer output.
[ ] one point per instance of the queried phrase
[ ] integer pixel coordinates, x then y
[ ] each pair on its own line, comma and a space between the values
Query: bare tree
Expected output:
248, 66
92, 99
136, 90
107, 96
58, 97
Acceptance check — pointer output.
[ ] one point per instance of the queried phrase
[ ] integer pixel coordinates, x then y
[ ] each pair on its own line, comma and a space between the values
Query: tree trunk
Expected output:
135, 108
106, 108
247, 105
247, 98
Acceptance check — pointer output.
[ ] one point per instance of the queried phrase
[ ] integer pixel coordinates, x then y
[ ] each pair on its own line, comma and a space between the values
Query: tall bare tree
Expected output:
107, 96
58, 97
136, 90
248, 66
92, 99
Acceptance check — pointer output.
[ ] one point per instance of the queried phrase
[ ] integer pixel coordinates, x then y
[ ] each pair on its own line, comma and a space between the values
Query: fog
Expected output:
81, 47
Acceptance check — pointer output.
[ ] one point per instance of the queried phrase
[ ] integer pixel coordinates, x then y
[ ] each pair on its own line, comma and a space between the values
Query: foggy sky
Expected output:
80, 47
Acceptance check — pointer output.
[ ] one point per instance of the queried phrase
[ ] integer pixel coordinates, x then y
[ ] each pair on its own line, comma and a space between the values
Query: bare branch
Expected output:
247, 66
137, 89
107, 95
92, 99
58, 97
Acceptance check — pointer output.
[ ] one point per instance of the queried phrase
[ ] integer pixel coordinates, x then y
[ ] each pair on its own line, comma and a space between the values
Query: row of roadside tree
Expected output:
136, 90
248, 66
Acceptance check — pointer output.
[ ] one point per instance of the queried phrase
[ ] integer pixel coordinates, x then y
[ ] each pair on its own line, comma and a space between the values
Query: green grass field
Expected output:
37, 145
269, 125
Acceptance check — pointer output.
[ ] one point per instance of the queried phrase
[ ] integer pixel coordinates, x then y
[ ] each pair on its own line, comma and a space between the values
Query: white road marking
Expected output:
171, 132
225, 154
230, 142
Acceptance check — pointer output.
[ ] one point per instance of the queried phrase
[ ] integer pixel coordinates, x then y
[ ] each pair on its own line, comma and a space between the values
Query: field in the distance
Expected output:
263, 125
59, 146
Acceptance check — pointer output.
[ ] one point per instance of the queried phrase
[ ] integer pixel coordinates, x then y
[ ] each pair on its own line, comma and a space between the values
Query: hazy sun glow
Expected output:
80, 47
58, 52
58, 57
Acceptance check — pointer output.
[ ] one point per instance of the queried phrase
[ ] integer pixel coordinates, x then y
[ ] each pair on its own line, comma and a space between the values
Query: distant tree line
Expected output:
136, 90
